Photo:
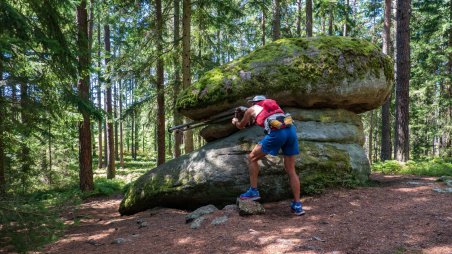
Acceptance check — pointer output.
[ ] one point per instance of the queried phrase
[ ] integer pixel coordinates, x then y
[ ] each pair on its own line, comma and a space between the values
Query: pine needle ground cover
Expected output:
30, 221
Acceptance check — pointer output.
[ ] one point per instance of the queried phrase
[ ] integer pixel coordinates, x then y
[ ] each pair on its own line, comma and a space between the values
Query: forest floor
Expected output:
398, 214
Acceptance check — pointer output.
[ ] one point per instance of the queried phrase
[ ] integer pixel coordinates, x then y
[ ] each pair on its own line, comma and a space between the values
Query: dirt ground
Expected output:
401, 214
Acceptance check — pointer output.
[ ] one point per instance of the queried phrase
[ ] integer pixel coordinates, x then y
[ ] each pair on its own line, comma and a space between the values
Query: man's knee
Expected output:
251, 157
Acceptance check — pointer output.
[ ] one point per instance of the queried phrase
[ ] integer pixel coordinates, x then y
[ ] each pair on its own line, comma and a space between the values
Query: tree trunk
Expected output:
186, 72
99, 96
371, 130
385, 109
115, 114
263, 22
276, 24
111, 169
347, 7
394, 47
85, 152
25, 159
448, 134
132, 137
177, 118
50, 153
403, 79
133, 124
121, 136
2, 136
105, 122
160, 89
330, 20
299, 18
136, 141
142, 138
309, 18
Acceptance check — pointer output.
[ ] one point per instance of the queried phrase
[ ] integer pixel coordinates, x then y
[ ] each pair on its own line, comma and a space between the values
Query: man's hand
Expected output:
235, 120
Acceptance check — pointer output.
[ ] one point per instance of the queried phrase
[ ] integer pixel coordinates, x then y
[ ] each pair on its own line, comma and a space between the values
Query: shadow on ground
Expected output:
400, 214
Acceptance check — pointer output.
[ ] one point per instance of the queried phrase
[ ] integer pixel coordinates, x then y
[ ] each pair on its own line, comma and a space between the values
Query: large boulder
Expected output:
332, 125
316, 72
331, 154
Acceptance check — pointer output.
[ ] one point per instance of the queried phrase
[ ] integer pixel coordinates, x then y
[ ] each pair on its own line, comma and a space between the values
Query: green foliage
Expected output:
33, 220
432, 167
106, 187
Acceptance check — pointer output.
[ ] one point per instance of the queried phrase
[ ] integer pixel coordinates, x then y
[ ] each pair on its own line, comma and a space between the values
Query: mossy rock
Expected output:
323, 125
217, 173
316, 72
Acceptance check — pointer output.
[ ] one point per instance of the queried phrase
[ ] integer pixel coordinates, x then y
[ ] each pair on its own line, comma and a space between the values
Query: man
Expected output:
280, 134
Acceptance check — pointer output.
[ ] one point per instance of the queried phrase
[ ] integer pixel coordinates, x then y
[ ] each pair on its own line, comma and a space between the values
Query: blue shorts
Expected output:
285, 139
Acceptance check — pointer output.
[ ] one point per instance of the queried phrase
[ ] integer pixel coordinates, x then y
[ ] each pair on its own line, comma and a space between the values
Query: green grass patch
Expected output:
433, 167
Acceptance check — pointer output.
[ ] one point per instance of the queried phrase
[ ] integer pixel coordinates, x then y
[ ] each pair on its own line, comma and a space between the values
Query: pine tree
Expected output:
111, 167
402, 80
385, 110
85, 152
276, 24
186, 64
177, 118
309, 18
160, 90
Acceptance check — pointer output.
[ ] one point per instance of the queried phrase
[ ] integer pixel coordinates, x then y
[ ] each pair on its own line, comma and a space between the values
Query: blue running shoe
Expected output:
251, 194
296, 208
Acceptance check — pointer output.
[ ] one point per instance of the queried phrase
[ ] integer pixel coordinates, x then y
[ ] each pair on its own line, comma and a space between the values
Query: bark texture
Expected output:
85, 148
186, 62
403, 79
160, 90
111, 167
309, 18
385, 110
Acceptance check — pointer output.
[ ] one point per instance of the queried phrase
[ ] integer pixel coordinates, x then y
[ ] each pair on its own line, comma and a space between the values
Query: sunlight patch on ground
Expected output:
84, 237
355, 203
439, 249
411, 190
186, 240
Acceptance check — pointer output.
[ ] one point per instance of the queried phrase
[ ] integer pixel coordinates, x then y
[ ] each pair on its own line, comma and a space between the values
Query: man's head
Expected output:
256, 99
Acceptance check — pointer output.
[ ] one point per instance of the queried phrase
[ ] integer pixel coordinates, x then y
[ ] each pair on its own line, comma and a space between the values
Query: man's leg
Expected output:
289, 165
253, 166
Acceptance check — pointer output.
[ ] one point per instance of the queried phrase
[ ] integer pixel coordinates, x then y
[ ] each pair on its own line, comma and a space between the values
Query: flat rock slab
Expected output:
200, 212
219, 220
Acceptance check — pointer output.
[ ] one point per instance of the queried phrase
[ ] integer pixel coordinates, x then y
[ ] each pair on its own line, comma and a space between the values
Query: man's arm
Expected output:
245, 120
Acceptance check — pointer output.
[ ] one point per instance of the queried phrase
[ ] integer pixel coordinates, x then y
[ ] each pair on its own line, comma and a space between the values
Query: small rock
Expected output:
230, 208
317, 239
143, 224
118, 241
197, 223
139, 221
200, 212
94, 242
443, 190
219, 220
444, 178
418, 183
249, 207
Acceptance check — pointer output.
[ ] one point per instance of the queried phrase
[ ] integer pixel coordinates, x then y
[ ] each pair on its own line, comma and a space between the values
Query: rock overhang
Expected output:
317, 72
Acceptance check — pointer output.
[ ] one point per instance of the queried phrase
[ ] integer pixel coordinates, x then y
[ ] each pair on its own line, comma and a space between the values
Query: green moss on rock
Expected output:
296, 67
217, 173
